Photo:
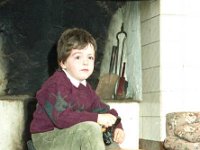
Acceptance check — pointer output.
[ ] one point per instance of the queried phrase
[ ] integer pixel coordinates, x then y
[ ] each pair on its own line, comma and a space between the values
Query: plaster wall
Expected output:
170, 62
150, 121
129, 112
180, 63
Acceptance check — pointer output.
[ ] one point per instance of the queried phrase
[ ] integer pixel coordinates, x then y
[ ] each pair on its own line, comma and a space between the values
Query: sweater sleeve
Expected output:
54, 100
101, 107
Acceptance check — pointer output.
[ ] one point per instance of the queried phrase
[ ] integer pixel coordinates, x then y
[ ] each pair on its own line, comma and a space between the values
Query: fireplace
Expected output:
29, 30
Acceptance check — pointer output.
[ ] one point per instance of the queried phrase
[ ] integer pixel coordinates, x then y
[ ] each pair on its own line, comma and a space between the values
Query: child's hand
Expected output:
106, 120
119, 135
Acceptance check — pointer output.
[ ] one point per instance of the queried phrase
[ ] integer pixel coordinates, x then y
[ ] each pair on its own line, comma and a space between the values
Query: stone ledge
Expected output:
15, 116
121, 101
16, 113
15, 97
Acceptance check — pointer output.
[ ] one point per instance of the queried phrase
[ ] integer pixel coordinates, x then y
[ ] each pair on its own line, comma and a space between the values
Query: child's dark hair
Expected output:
73, 38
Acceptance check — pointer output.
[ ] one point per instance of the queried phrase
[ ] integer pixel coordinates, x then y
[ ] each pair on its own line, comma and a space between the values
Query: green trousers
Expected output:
82, 136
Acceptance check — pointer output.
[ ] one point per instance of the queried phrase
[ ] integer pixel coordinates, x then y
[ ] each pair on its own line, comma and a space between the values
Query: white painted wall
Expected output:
129, 112
150, 121
180, 56
170, 62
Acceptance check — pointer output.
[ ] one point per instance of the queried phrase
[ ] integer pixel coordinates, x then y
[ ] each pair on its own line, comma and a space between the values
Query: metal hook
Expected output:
117, 53
121, 32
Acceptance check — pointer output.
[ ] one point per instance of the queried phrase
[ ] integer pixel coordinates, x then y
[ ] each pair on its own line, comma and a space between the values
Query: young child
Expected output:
69, 114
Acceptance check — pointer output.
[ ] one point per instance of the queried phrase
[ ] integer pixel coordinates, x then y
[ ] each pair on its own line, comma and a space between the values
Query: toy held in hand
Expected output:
108, 133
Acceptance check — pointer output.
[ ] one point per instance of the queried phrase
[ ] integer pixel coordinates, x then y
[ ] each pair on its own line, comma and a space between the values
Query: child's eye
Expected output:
91, 57
77, 57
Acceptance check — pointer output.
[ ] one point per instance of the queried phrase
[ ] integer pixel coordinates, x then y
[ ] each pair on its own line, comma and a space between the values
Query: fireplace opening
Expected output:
29, 31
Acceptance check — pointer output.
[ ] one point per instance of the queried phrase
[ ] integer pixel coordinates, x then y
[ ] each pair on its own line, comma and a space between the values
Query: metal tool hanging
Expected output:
122, 50
107, 83
122, 83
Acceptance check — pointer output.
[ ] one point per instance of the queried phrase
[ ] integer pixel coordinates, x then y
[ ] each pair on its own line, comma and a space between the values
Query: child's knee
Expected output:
93, 133
92, 128
90, 125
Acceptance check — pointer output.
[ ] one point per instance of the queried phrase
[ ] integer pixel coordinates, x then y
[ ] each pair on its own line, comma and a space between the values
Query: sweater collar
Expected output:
74, 81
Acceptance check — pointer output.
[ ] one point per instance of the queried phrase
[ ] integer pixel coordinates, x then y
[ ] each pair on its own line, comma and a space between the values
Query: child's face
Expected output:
80, 63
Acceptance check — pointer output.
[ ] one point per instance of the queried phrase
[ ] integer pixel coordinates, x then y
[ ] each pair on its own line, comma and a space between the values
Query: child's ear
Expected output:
62, 65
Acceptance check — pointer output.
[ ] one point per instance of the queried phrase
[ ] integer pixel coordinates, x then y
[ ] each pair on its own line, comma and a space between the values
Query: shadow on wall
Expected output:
30, 107
52, 60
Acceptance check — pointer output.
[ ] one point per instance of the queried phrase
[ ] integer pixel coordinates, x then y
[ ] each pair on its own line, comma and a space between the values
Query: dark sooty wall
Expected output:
31, 28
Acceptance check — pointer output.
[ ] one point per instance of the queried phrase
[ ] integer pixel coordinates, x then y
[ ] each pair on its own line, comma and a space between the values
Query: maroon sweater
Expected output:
62, 105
